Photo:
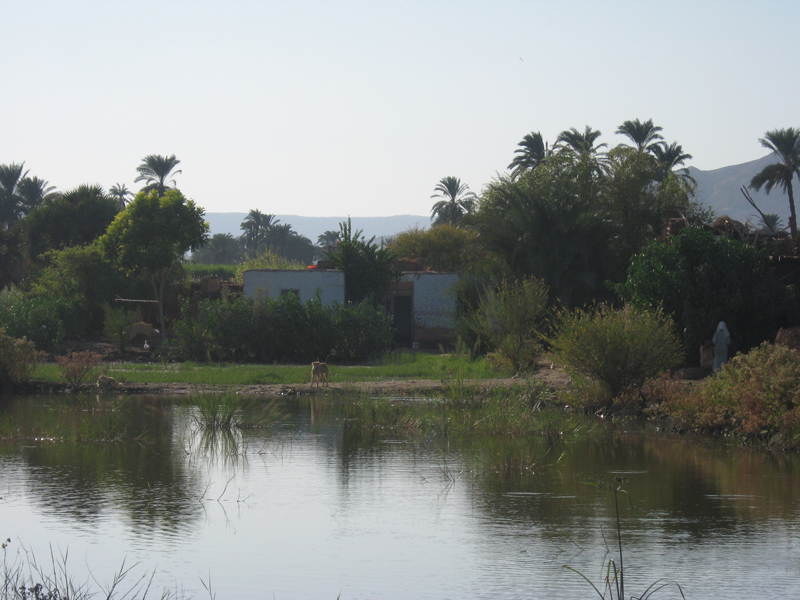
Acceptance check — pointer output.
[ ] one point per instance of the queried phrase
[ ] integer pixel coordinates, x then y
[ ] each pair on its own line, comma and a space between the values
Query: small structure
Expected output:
304, 284
423, 308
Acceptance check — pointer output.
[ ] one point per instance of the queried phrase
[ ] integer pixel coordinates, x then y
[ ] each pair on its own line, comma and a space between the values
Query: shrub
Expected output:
754, 393
18, 360
78, 366
40, 319
281, 330
609, 351
509, 320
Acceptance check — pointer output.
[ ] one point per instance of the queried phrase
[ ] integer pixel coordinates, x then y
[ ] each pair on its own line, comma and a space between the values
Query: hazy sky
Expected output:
335, 108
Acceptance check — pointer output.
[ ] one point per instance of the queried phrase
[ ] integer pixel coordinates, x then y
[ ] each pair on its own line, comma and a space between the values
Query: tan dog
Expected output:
319, 373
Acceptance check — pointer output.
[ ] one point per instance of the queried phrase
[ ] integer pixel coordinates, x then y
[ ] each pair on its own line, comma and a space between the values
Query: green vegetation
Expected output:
608, 352
392, 366
367, 268
754, 395
456, 201
18, 360
699, 281
509, 321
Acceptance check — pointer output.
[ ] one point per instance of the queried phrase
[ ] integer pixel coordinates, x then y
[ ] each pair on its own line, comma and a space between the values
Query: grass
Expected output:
400, 366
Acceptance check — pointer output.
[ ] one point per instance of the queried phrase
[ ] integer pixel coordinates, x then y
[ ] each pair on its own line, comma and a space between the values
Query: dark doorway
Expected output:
403, 322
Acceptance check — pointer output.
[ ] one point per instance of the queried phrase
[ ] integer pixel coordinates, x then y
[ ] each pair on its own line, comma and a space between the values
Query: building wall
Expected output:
434, 306
273, 282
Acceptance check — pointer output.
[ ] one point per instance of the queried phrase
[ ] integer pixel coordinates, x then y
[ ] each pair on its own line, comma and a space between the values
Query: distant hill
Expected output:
721, 190
718, 188
312, 227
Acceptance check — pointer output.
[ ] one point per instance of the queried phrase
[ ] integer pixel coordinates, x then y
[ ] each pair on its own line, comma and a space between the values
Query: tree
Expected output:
368, 269
531, 152
645, 136
156, 171
34, 191
327, 239
786, 144
582, 144
699, 281
151, 236
221, 249
121, 193
441, 248
11, 200
456, 201
256, 227
670, 158
72, 218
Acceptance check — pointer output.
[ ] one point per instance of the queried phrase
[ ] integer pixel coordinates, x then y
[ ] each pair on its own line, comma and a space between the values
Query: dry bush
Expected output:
18, 360
78, 367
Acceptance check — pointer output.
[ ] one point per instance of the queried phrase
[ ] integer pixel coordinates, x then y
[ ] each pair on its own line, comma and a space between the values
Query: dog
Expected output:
319, 373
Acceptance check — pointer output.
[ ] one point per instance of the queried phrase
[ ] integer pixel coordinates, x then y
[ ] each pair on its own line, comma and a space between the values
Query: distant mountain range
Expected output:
721, 190
718, 188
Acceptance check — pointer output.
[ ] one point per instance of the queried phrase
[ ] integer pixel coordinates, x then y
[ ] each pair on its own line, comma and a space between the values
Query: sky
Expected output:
339, 108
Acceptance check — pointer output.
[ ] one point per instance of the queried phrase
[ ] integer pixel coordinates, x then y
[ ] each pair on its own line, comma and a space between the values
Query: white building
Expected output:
279, 282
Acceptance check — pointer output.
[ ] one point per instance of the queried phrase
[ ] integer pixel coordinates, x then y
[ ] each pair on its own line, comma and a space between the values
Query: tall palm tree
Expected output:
121, 193
327, 239
34, 191
256, 227
645, 136
531, 152
11, 200
582, 144
456, 201
279, 237
786, 144
670, 158
156, 171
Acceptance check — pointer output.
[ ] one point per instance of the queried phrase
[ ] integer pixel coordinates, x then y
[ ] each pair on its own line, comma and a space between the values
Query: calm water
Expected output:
303, 510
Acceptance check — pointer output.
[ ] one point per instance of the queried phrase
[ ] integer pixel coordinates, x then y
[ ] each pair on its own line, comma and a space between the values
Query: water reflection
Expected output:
389, 513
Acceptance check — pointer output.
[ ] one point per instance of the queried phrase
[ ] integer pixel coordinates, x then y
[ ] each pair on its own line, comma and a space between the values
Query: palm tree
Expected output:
786, 144
156, 171
770, 223
279, 237
221, 249
456, 201
11, 201
327, 239
645, 136
670, 158
531, 152
582, 144
256, 227
121, 193
34, 191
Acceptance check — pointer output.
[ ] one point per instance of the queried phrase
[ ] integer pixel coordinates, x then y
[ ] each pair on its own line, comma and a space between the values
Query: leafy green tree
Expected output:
645, 136
699, 281
786, 144
70, 218
531, 152
34, 192
456, 201
156, 171
121, 193
11, 256
151, 236
549, 224
441, 248
367, 267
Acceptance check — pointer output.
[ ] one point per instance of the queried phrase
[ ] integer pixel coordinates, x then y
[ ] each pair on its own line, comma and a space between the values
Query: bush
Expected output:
754, 393
608, 352
281, 330
510, 321
117, 322
18, 360
78, 366
39, 319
